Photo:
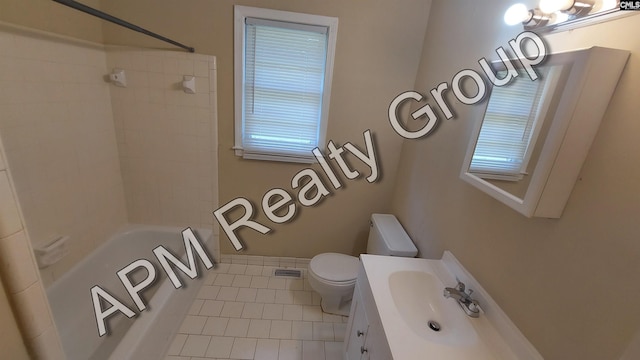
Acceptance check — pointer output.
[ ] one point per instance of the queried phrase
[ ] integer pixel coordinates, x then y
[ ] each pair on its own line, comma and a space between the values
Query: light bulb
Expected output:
516, 14
560, 17
608, 4
551, 6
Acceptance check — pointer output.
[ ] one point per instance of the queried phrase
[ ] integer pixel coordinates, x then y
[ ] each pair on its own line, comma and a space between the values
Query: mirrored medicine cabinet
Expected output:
531, 137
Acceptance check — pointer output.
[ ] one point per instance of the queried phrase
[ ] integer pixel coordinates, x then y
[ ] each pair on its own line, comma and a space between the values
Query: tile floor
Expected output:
243, 311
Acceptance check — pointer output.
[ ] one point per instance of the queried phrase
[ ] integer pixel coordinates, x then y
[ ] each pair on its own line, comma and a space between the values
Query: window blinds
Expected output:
283, 87
507, 128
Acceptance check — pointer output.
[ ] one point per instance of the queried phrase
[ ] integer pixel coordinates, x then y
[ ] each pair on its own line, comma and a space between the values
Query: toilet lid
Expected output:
335, 267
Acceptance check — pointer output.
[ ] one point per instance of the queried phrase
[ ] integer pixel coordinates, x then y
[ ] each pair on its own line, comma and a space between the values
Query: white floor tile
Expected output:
307, 286
173, 357
313, 350
290, 350
222, 268
241, 281
277, 283
208, 292
292, 312
237, 269
280, 329
192, 324
302, 298
196, 345
295, 284
232, 309
243, 349
266, 296
331, 318
255, 260
323, 331
237, 328
252, 311
245, 312
288, 262
227, 293
215, 326
272, 311
302, 330
315, 298
247, 295
259, 328
269, 270
267, 349
339, 331
259, 282
239, 259
220, 347
333, 350
196, 306
211, 308
311, 313
284, 297
224, 280
254, 270
271, 261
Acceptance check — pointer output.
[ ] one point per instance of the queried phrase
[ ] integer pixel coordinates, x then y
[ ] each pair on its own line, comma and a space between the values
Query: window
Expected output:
283, 68
511, 125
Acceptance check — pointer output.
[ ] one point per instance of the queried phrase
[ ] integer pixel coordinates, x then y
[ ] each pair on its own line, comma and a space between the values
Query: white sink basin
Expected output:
408, 293
418, 297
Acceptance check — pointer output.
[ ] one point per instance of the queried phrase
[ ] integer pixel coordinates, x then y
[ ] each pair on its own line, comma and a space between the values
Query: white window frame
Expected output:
240, 15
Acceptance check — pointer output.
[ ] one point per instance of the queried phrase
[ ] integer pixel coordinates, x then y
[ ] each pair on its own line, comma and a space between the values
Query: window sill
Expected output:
274, 157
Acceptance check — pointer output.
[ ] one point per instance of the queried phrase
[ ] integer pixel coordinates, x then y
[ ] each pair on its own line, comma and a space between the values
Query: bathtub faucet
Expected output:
468, 304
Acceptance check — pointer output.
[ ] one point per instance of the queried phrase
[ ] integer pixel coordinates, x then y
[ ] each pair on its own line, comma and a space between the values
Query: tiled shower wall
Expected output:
167, 138
20, 279
87, 156
75, 146
59, 138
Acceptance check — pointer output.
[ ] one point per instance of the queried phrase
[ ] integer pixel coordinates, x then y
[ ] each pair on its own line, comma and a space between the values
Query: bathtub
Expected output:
148, 334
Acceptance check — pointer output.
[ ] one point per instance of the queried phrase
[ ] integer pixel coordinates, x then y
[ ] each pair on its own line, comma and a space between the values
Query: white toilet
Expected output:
333, 275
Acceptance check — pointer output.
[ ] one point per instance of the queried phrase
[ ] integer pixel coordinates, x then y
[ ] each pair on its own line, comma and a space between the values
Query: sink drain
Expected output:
434, 325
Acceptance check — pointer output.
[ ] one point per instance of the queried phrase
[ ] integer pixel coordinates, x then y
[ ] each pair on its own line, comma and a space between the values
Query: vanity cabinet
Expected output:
365, 338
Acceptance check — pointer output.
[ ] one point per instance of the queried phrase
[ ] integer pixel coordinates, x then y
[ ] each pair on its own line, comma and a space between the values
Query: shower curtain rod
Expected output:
102, 15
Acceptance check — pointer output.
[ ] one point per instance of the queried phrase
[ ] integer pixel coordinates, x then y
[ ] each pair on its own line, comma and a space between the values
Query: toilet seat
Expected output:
335, 268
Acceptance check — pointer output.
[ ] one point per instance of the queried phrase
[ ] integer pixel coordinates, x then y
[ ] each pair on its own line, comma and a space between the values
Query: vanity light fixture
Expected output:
562, 14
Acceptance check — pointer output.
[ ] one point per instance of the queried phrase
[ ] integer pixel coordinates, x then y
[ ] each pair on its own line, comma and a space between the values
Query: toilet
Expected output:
333, 275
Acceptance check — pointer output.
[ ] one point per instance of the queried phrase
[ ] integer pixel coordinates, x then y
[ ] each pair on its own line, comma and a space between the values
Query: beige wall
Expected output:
568, 284
633, 351
378, 48
50, 16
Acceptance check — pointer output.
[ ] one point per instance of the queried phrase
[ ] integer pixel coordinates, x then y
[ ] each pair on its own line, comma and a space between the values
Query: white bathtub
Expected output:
149, 333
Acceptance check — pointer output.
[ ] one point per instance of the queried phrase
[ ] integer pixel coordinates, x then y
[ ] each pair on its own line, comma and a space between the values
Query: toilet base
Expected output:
342, 309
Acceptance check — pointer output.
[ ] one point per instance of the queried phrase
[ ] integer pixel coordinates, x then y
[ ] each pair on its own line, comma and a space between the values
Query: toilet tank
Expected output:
387, 237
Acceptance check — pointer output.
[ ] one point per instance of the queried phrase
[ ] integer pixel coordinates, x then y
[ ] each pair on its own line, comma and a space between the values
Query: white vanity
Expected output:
399, 312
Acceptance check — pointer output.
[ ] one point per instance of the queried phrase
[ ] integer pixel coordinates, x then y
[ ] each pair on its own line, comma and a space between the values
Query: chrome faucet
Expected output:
468, 304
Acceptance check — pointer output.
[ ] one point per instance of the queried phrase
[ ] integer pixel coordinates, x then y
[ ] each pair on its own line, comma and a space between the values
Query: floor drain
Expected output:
434, 325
